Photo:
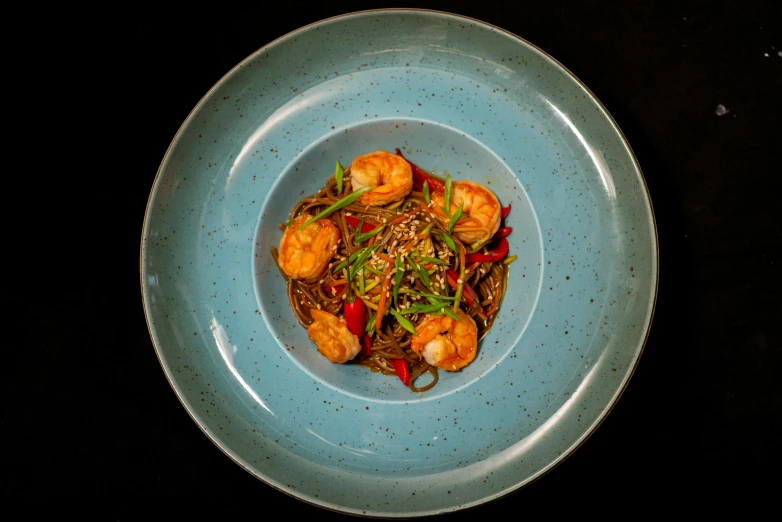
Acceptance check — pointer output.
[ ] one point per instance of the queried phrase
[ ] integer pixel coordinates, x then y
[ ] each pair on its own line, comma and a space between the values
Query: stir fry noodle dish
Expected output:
397, 269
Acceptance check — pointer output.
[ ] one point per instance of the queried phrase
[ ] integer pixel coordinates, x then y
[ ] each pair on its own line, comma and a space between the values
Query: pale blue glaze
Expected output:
455, 95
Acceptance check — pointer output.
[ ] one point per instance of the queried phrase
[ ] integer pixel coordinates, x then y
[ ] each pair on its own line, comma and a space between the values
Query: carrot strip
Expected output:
384, 257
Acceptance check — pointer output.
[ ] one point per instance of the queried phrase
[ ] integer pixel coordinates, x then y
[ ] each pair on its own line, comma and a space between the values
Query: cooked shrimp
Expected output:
332, 336
480, 214
305, 253
389, 175
447, 343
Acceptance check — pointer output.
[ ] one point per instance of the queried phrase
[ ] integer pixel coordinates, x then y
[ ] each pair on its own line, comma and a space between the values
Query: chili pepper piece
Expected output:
354, 222
496, 253
503, 232
504, 211
402, 370
419, 176
356, 316
366, 346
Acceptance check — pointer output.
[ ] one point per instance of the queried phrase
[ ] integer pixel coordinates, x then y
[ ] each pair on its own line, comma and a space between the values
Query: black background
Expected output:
88, 412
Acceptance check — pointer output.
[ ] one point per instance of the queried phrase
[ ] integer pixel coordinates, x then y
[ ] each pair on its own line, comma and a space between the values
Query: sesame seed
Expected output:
459, 281
318, 305
489, 298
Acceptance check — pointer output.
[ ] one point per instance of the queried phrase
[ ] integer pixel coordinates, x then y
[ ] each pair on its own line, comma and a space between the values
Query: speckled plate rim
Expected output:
655, 261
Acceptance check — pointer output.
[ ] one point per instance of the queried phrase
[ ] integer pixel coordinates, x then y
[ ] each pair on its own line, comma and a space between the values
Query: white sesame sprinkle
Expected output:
459, 281
318, 305
428, 220
489, 298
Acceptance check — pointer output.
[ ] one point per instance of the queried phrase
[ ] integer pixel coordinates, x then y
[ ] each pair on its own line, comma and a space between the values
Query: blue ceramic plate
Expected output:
458, 96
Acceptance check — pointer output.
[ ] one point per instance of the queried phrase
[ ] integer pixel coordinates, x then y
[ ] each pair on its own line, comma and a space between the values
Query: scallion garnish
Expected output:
338, 173
360, 238
455, 218
360, 260
407, 325
398, 275
344, 202
448, 183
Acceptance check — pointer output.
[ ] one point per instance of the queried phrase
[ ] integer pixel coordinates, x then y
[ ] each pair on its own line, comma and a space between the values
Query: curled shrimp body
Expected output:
390, 176
445, 342
305, 253
480, 214
332, 336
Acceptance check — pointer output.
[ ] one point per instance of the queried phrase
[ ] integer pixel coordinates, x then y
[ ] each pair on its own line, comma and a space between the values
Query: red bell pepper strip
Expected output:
499, 251
502, 232
356, 316
467, 291
504, 211
366, 346
366, 227
402, 369
419, 176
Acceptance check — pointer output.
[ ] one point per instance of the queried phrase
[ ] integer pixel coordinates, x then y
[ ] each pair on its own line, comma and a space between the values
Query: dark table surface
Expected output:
89, 413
